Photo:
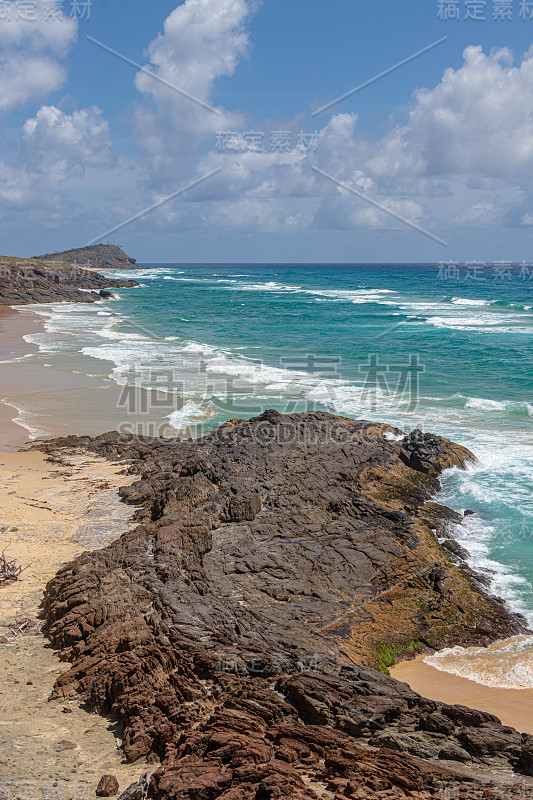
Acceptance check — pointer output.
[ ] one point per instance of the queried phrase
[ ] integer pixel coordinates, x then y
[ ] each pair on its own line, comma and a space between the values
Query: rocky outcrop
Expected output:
96, 256
31, 280
236, 630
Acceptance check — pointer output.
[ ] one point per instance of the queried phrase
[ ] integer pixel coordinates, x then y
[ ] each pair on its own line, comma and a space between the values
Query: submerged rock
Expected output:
236, 630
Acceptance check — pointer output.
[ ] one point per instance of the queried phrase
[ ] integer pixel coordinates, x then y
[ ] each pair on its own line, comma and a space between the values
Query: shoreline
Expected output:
15, 323
33, 390
511, 706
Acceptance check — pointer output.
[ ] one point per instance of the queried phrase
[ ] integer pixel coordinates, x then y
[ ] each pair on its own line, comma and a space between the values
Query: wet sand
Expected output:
49, 513
513, 706
13, 326
37, 401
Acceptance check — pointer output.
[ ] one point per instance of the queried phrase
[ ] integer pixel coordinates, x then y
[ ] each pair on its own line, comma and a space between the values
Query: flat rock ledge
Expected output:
241, 632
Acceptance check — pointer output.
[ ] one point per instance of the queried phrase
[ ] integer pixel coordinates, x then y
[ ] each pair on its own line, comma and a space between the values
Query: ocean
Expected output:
443, 348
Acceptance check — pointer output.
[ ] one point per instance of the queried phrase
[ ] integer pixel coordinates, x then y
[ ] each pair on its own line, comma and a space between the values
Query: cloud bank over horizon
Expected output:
461, 158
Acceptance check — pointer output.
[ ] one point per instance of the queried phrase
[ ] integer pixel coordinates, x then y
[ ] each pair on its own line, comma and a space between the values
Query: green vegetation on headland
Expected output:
96, 256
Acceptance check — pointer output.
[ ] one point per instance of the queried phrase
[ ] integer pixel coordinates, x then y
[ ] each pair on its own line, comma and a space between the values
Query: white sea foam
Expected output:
496, 485
18, 358
150, 273
121, 336
198, 347
506, 664
510, 407
484, 323
25, 420
485, 405
190, 414
357, 295
464, 301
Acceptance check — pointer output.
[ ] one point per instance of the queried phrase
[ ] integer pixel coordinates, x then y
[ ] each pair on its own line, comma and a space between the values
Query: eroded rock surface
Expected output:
30, 280
234, 631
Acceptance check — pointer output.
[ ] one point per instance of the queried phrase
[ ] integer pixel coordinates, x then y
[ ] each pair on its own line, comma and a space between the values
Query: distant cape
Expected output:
97, 256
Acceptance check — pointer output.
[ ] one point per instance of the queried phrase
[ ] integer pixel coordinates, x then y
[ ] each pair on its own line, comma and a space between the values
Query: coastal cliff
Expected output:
96, 256
241, 631
31, 280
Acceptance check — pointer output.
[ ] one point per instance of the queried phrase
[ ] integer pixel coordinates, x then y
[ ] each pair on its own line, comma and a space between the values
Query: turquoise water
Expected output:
402, 344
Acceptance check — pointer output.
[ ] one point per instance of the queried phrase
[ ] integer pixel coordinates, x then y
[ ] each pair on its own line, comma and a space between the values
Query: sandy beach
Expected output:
51, 512
512, 706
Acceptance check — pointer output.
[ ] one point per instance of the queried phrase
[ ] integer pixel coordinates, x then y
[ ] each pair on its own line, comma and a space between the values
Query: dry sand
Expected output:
49, 514
513, 706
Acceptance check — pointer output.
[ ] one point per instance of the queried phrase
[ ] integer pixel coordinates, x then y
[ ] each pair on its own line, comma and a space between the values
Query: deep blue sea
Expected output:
444, 349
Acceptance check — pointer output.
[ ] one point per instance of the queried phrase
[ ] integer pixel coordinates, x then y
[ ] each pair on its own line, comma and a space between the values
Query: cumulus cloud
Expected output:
33, 47
202, 40
462, 158
477, 121
66, 144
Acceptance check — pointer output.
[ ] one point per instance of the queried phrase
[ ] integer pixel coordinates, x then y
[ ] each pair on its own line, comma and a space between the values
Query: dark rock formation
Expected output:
32, 281
97, 256
234, 631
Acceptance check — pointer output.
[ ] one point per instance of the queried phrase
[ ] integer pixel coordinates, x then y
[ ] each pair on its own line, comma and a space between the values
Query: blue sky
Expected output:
445, 142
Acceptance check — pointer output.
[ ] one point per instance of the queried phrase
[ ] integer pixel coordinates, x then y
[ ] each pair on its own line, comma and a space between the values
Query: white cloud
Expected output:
203, 40
477, 121
462, 159
66, 144
31, 54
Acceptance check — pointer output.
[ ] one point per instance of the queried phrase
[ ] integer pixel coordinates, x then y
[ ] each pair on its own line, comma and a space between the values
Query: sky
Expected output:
211, 131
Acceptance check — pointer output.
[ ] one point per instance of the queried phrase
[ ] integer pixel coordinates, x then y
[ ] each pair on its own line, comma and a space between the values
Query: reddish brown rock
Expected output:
107, 786
228, 630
